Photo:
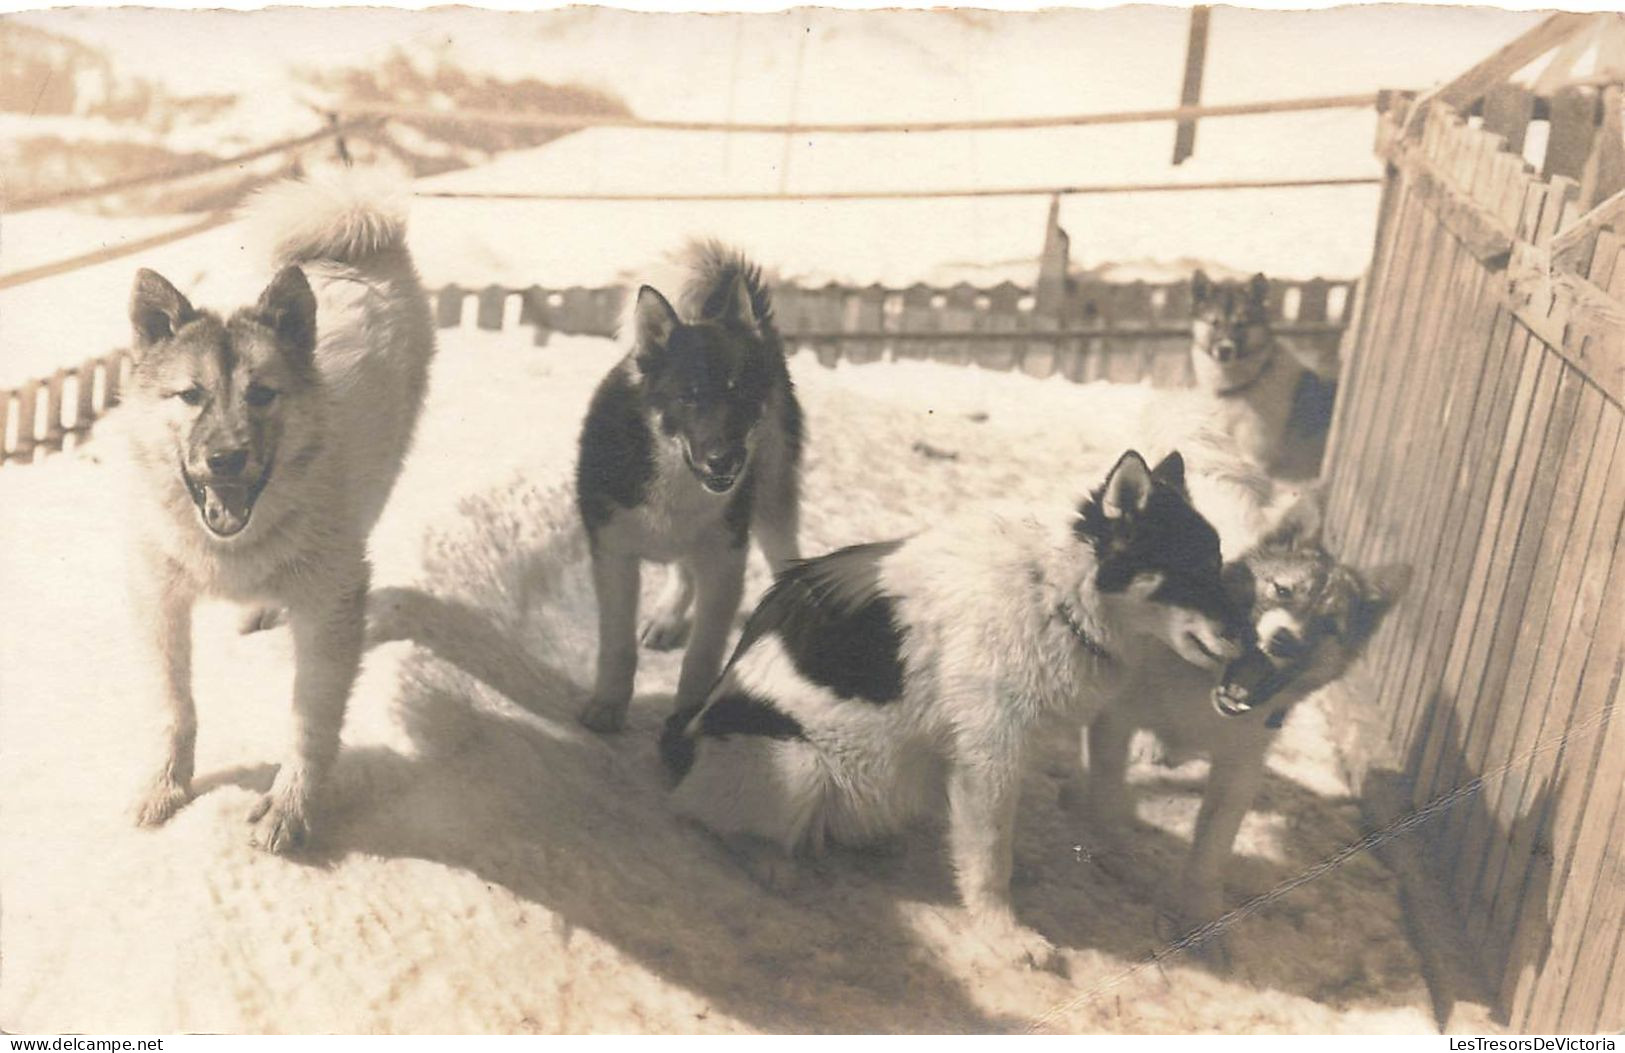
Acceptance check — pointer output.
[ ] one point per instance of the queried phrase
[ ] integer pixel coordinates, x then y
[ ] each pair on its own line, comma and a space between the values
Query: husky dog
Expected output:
1275, 408
869, 677
264, 444
691, 443
1313, 617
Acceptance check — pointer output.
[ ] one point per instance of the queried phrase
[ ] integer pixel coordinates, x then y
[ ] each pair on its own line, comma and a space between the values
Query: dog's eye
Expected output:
259, 395
192, 396
1282, 592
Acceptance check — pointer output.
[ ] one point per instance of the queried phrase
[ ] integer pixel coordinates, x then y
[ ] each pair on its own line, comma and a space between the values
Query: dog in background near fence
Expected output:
264, 445
692, 443
1312, 617
870, 677
1275, 406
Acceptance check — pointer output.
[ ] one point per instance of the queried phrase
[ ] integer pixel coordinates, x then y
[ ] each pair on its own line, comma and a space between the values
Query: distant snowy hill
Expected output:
72, 115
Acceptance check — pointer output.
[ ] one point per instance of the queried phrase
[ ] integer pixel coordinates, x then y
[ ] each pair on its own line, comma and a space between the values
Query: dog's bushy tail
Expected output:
347, 217
712, 269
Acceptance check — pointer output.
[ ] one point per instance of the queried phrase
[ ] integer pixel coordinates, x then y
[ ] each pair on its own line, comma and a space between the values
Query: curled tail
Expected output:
348, 217
714, 273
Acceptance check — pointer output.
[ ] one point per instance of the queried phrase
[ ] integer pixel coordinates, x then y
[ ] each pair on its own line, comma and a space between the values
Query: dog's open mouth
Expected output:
718, 484
225, 507
1248, 683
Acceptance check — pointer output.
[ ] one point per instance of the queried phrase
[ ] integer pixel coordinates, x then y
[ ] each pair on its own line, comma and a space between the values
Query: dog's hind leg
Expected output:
719, 573
327, 640
169, 644
615, 577
667, 626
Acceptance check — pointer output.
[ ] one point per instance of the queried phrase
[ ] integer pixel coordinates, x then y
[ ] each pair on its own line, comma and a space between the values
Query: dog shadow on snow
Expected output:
504, 784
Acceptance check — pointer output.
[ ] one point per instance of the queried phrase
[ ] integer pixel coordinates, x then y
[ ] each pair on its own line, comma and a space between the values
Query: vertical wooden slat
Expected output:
28, 406
1190, 89
1573, 125
6, 400
1507, 112
1525, 804
449, 307
85, 412
1448, 728
488, 311
1524, 699
958, 314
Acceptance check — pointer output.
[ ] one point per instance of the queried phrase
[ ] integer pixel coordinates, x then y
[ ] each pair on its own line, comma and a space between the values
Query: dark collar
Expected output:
1087, 642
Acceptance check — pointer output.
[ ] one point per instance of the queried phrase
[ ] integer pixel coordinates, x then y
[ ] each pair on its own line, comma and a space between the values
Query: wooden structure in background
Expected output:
1479, 437
1119, 331
1125, 332
1190, 89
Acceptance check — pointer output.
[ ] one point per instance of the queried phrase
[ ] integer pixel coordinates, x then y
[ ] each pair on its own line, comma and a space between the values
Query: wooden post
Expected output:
5, 414
1190, 93
1604, 171
1574, 126
1050, 294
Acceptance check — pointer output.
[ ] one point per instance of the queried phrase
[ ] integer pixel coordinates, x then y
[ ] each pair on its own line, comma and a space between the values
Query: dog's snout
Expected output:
1224, 350
724, 462
226, 463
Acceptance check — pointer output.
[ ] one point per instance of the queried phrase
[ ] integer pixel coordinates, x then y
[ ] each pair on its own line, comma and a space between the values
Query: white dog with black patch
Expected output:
871, 678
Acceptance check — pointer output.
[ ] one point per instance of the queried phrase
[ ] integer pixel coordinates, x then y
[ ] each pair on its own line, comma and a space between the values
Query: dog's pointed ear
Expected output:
654, 320
157, 309
1299, 526
1128, 487
731, 305
1201, 287
1380, 590
1258, 291
288, 308
1171, 470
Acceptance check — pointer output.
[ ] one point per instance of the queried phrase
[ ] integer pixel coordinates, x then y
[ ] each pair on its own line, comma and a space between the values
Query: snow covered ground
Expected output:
487, 865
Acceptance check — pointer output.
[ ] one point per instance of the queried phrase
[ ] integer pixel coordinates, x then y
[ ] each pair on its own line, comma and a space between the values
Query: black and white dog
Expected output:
691, 444
870, 679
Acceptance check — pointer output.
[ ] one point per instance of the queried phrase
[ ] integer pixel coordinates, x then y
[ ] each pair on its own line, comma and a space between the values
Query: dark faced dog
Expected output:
691, 444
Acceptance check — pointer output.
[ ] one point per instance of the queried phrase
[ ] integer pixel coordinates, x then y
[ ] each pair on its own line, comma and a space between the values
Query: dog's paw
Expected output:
664, 632
603, 717
1025, 947
279, 823
1188, 932
258, 619
767, 865
162, 800
1016, 944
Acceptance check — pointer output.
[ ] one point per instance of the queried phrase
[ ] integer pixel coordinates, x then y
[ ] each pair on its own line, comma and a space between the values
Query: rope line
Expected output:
568, 121
114, 252
176, 173
894, 195
1371, 840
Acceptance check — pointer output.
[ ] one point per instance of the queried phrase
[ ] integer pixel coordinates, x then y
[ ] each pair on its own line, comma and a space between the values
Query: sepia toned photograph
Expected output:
575, 522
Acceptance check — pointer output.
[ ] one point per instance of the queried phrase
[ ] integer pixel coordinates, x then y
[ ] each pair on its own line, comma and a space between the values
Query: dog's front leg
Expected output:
719, 579
983, 788
165, 610
1232, 783
327, 640
1107, 807
667, 626
776, 519
615, 577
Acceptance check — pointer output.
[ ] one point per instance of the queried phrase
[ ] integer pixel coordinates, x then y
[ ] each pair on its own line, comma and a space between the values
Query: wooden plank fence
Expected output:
1479, 437
1101, 331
